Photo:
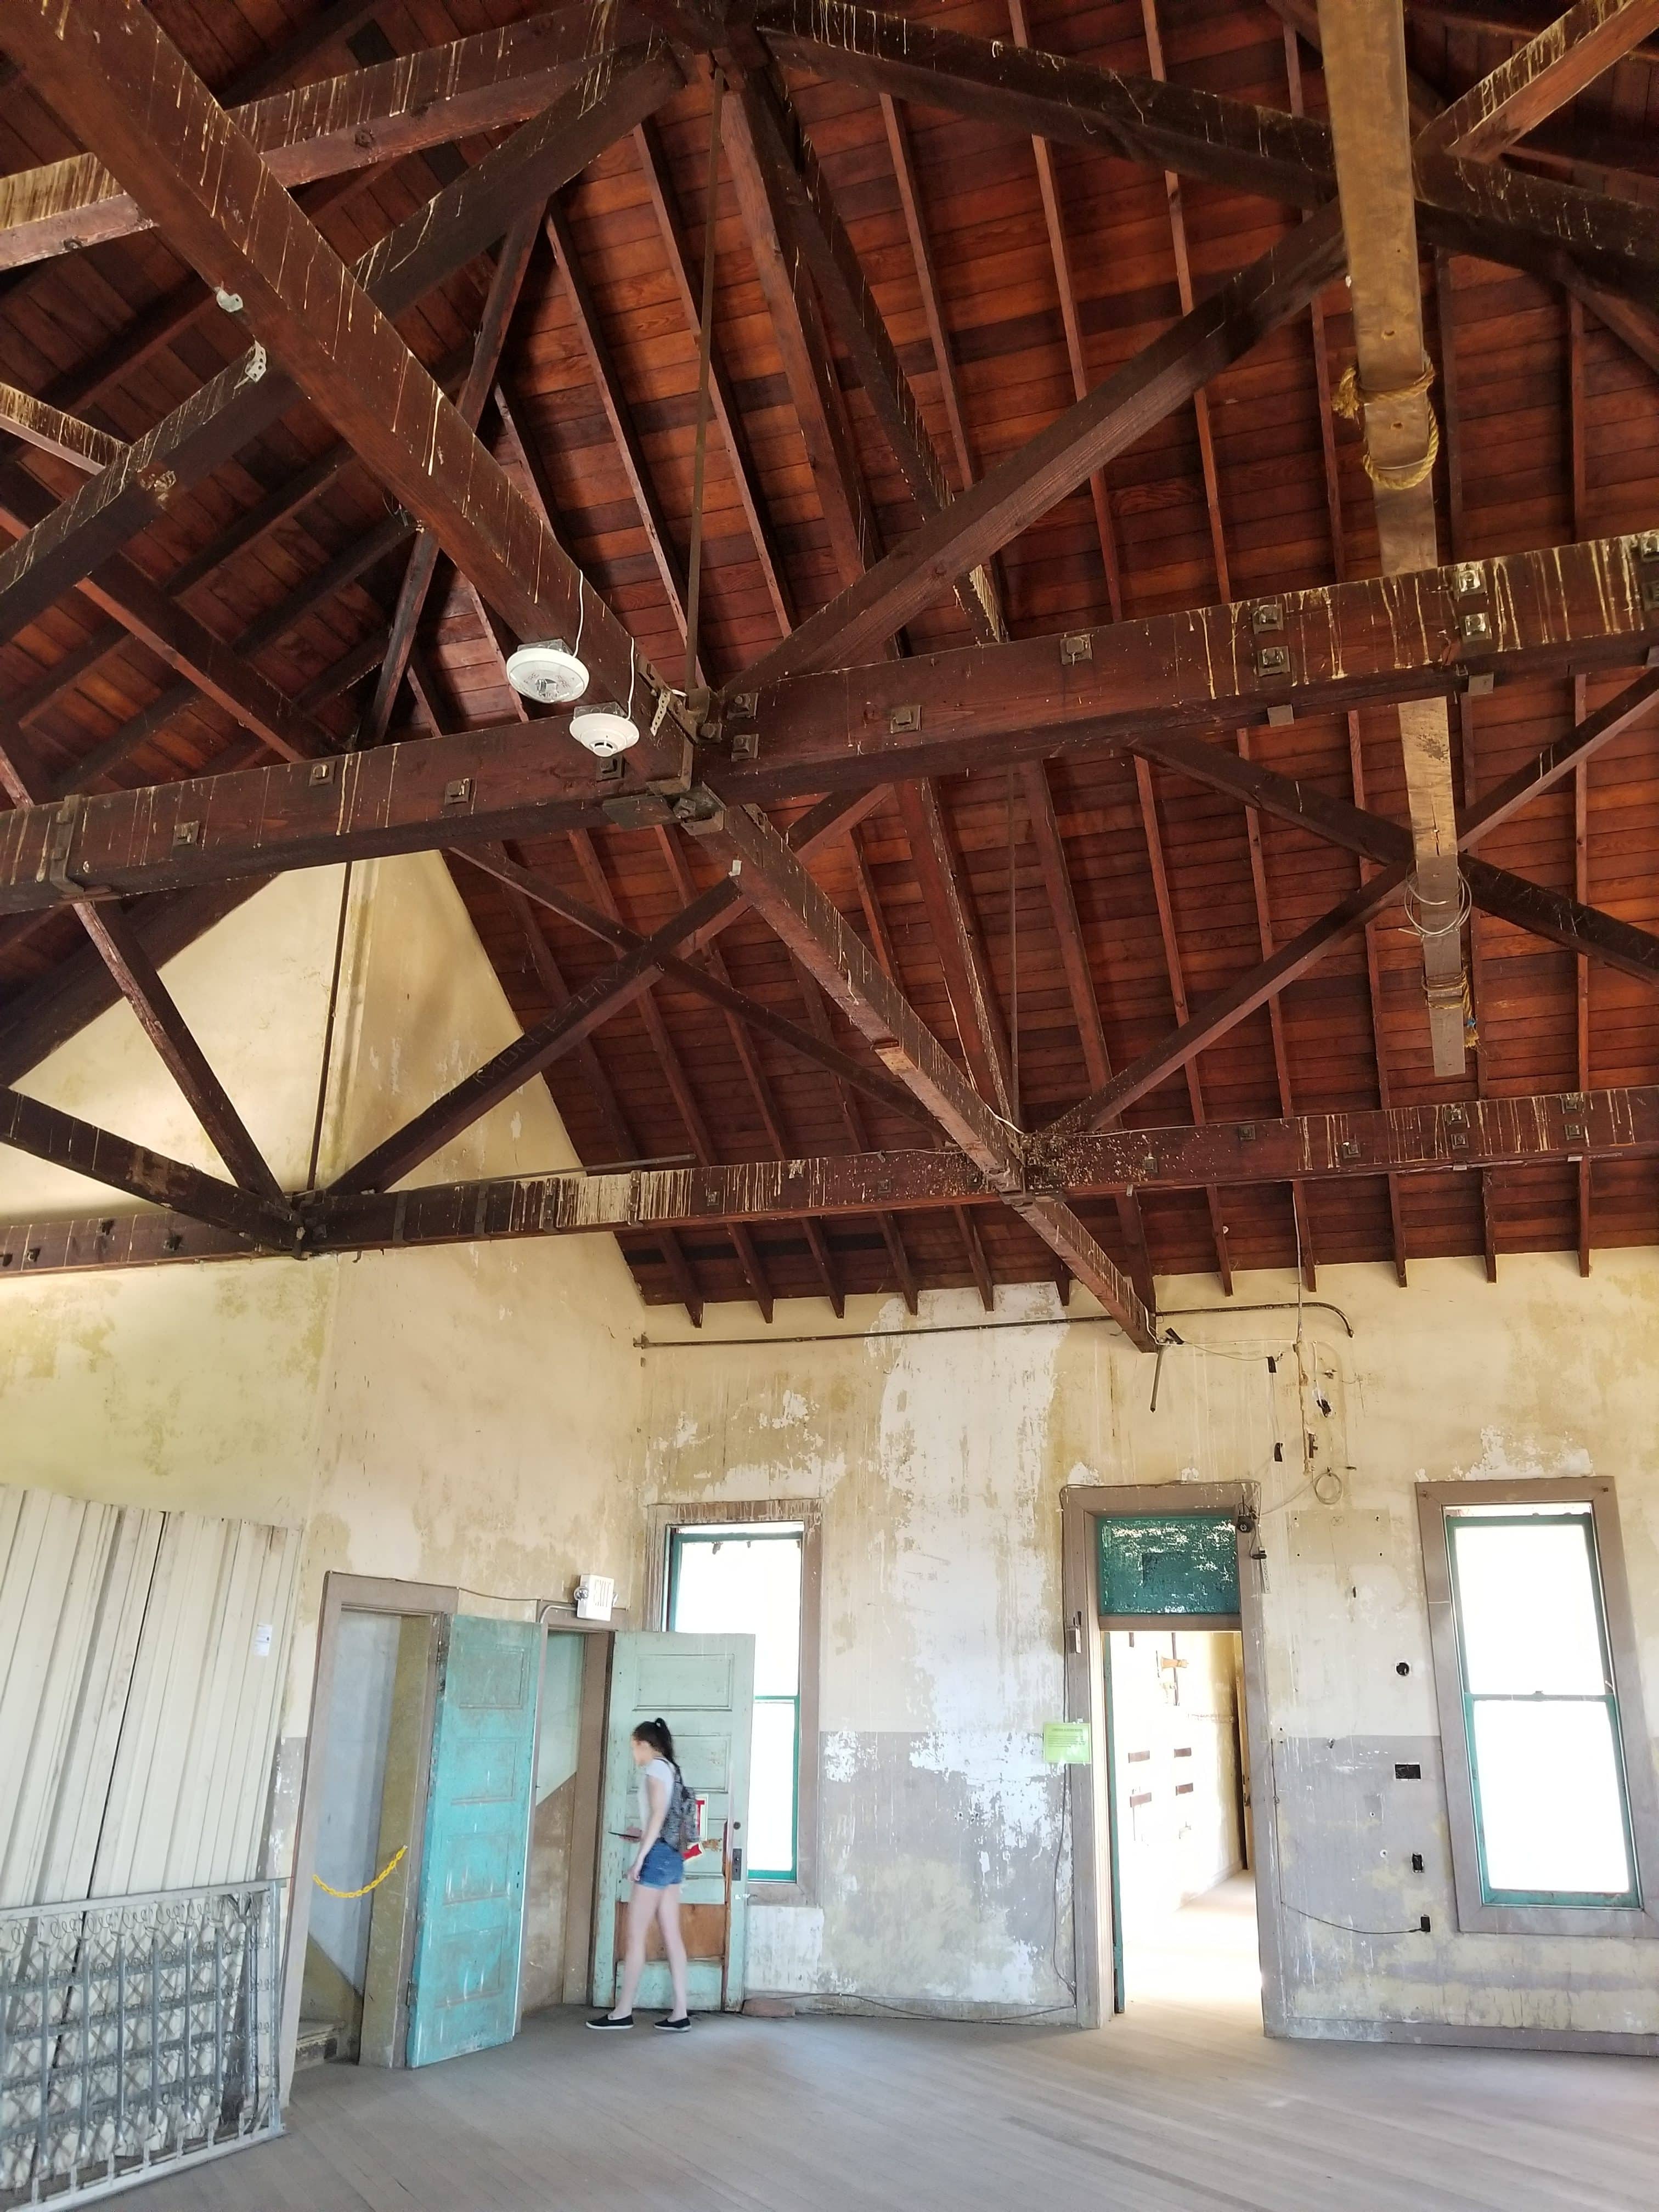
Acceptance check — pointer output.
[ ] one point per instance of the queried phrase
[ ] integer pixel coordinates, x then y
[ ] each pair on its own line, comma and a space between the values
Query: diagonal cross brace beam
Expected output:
28, 1125
68, 543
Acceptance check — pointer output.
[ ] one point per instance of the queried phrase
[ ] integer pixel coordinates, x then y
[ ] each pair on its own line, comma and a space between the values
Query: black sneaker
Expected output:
675, 2027
603, 2020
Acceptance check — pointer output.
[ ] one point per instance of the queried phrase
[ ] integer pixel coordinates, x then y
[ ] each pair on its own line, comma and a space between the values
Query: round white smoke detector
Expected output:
603, 729
549, 672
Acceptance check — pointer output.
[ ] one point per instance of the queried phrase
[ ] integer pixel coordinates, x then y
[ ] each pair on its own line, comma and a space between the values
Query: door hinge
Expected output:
408, 1997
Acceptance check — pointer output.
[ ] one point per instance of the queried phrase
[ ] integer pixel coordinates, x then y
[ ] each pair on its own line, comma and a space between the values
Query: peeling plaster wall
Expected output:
459, 1415
939, 1458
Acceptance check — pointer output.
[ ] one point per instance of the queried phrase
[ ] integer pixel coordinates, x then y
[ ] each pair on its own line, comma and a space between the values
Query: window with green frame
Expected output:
747, 1580
1540, 1712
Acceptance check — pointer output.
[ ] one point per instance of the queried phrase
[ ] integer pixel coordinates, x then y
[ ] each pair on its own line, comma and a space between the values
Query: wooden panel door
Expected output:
704, 1687
465, 1985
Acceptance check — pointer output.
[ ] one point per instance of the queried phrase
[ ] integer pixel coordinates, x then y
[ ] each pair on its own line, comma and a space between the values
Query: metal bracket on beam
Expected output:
61, 845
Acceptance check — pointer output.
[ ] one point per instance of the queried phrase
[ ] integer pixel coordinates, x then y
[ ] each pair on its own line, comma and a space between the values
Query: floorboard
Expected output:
1180, 2106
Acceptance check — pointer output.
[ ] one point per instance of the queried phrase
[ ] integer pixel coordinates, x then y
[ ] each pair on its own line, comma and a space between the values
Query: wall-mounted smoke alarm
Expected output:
603, 729
549, 672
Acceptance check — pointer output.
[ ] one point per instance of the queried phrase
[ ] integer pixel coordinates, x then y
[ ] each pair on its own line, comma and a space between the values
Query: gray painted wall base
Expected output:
1609, 2044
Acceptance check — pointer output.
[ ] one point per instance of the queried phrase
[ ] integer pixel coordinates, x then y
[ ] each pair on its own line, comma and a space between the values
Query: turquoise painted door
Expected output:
704, 1687
465, 1984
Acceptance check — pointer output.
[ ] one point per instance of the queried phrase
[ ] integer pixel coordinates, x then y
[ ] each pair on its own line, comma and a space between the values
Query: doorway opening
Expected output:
370, 1792
1183, 1900
559, 1883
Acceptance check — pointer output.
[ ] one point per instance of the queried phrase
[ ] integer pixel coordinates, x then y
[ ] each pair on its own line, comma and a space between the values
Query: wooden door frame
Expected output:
580, 1892
1082, 1507
343, 1592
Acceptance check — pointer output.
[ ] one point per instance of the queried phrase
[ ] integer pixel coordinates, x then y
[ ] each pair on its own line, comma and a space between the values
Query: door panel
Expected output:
465, 1995
704, 1687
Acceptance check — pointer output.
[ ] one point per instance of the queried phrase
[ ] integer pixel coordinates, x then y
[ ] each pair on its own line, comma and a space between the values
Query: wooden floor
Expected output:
1174, 2109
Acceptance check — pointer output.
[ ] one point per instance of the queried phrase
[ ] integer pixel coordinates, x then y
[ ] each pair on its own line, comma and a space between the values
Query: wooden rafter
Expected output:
1539, 77
351, 122
1603, 1125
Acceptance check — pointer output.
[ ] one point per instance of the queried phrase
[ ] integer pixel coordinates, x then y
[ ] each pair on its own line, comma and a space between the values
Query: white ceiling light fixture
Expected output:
604, 728
549, 672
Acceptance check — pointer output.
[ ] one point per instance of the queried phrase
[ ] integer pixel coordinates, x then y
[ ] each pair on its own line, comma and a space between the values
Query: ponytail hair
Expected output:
656, 1736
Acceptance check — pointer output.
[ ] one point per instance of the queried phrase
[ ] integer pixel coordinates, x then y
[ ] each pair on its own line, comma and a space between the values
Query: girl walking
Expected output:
667, 1819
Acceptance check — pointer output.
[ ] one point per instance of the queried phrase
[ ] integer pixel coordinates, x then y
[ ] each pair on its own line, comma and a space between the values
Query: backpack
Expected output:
680, 1823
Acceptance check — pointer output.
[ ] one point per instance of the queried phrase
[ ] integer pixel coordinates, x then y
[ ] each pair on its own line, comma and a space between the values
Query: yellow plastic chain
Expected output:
368, 1886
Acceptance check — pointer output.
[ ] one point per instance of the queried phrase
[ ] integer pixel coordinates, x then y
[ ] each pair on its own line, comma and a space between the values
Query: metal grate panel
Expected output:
138, 2036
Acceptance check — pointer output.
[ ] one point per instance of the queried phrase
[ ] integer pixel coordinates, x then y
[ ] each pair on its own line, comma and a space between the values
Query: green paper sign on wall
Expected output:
1066, 1743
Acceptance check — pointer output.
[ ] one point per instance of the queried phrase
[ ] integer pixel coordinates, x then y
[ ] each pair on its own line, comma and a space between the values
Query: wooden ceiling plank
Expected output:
354, 356
779, 888
957, 940
607, 378
332, 24
1327, 1148
1080, 986
675, 1075
804, 347
727, 414
1507, 215
47, 1133
1173, 968
610, 1107
710, 981
797, 190
505, 283
927, 284
1365, 55
355, 121
1542, 76
1060, 254
760, 1086
354, 560
621, 985
1043, 473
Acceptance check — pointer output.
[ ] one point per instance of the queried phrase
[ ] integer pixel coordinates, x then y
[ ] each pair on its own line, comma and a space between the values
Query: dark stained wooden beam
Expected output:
797, 187
354, 560
623, 984
119, 587
1572, 608
506, 282
356, 357
1175, 968
1450, 1139
1080, 986
330, 25
49, 1134
767, 1105
1059, 253
957, 939
368, 116
49, 430
1498, 213
708, 982
676, 1076
607, 378
776, 884
1546, 73
724, 408
618, 1128
1118, 411
803, 347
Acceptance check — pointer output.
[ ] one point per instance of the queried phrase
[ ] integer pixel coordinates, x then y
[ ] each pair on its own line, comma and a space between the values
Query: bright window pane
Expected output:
744, 1584
740, 1586
772, 1790
1528, 1609
1552, 1797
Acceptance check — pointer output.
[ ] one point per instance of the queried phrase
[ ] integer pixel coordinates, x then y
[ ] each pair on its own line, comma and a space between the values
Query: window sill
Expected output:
1627, 1922
761, 1893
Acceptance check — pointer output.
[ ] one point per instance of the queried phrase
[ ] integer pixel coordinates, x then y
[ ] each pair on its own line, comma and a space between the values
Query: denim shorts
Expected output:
663, 1867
